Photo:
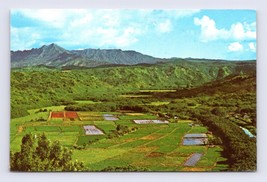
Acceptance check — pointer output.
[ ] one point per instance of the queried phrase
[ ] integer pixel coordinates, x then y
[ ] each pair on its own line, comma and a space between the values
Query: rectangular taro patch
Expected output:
92, 130
110, 117
64, 115
59, 114
71, 114
146, 121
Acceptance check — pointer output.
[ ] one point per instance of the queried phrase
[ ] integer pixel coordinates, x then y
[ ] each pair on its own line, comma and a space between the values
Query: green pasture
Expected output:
56, 121
153, 147
86, 102
134, 96
198, 129
162, 90
145, 116
158, 103
83, 140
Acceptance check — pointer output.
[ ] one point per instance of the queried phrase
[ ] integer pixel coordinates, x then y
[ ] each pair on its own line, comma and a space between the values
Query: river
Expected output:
247, 132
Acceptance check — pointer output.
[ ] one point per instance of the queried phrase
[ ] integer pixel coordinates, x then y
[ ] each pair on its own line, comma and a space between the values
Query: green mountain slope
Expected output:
41, 86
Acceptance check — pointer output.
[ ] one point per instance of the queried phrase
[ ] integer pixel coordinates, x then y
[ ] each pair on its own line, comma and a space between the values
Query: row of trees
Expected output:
239, 148
110, 106
121, 130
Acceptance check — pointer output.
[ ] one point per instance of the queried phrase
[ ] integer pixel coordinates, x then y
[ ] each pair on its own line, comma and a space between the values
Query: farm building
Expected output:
146, 121
92, 130
195, 139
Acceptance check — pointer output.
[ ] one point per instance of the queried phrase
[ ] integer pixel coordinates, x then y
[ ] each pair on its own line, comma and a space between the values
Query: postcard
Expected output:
132, 90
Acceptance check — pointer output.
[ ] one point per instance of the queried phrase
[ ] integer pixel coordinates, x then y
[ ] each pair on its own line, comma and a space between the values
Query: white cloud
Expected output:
116, 37
185, 13
164, 27
252, 46
235, 47
101, 36
93, 28
111, 18
23, 37
82, 21
126, 39
54, 17
238, 31
157, 13
85, 27
209, 30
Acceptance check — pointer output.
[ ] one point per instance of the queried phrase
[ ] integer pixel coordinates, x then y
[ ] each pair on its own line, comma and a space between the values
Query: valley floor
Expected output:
146, 147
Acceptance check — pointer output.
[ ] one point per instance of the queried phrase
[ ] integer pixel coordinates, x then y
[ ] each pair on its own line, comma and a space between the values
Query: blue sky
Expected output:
215, 34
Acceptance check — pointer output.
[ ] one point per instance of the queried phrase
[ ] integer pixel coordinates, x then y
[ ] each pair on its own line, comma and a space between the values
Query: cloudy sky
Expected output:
219, 34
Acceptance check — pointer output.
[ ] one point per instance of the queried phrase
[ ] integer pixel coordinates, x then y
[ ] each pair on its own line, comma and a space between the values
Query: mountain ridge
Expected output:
54, 55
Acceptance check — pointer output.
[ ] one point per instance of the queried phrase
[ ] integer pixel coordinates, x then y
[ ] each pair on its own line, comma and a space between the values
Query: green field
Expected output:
86, 102
158, 103
161, 90
151, 147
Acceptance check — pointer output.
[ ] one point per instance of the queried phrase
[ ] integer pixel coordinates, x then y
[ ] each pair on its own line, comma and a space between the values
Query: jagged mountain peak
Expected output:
54, 55
53, 47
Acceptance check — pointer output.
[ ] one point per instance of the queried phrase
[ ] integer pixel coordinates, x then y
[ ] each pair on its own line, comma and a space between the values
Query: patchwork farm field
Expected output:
144, 147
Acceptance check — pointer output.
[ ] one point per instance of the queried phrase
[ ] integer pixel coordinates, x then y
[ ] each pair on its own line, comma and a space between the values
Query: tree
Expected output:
43, 147
40, 155
21, 161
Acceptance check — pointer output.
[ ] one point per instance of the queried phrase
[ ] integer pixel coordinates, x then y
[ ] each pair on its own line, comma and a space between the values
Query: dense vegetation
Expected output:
40, 86
121, 130
40, 155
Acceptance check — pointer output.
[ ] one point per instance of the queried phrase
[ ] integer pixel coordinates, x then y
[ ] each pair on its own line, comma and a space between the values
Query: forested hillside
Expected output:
35, 87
